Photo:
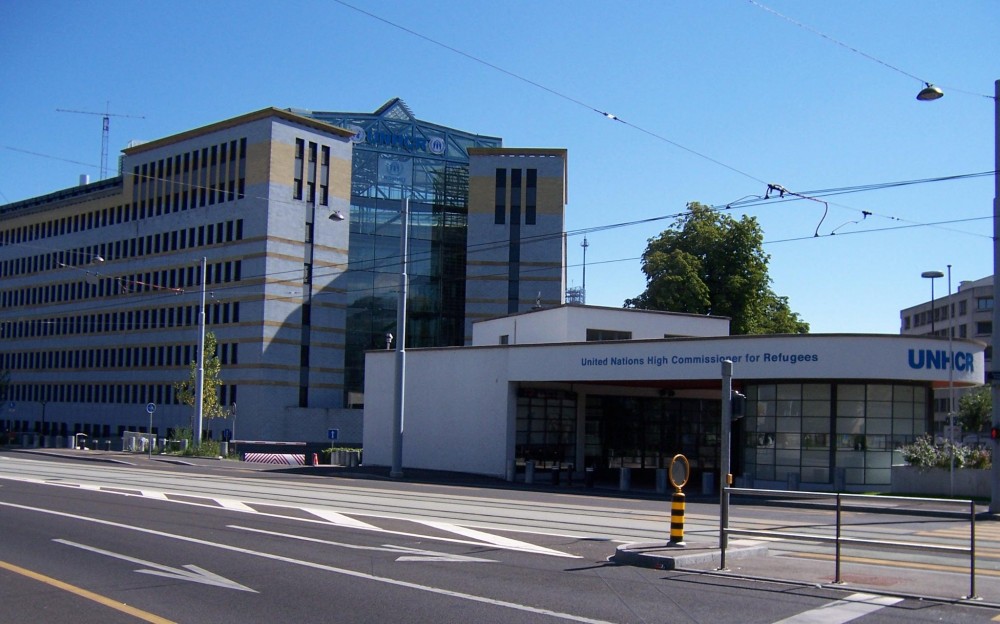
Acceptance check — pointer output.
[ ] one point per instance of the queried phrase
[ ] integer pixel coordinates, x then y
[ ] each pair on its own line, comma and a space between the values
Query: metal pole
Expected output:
724, 450
995, 338
951, 390
199, 390
396, 470
836, 558
972, 550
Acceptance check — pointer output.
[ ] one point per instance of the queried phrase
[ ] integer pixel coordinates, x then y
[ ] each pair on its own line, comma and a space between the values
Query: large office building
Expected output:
485, 238
297, 215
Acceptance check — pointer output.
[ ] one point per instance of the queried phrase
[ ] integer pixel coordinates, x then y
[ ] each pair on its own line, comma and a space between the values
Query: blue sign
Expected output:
332, 433
227, 434
150, 408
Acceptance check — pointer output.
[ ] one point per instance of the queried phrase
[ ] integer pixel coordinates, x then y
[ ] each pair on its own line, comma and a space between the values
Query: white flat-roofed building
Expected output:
825, 411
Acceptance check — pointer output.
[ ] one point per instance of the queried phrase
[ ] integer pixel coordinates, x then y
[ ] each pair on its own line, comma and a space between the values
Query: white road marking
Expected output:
495, 540
328, 516
411, 554
840, 611
190, 572
319, 566
335, 517
234, 505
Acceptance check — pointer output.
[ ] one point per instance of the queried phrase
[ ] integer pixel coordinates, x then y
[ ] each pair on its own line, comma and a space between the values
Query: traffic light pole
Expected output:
725, 446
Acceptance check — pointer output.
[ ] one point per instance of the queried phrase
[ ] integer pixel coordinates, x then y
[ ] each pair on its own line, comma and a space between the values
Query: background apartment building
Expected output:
965, 313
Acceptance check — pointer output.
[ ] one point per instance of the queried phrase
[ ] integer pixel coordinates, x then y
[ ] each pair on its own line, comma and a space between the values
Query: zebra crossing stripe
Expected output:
496, 540
340, 519
841, 611
235, 505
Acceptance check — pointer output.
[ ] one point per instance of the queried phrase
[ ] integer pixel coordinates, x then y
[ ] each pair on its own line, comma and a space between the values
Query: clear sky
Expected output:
715, 99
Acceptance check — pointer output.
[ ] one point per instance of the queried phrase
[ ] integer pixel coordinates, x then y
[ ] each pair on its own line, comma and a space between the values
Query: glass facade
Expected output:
397, 157
641, 433
822, 432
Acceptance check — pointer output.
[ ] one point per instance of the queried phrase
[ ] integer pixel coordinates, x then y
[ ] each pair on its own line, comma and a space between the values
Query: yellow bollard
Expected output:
677, 502
677, 519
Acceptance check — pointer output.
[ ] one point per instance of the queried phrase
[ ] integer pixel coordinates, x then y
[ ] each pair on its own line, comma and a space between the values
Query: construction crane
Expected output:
107, 115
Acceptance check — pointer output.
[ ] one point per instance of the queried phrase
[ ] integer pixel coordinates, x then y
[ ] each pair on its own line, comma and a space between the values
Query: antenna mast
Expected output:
105, 131
585, 244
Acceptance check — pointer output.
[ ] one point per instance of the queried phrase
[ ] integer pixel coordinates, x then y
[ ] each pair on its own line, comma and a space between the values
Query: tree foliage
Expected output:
975, 410
185, 389
710, 263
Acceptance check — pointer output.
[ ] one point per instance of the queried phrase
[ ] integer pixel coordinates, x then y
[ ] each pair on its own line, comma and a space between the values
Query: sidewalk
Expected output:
881, 572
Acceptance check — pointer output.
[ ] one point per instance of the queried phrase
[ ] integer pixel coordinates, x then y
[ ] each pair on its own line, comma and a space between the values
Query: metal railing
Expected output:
873, 504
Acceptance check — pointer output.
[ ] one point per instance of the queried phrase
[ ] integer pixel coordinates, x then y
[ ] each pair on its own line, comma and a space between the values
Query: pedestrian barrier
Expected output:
862, 503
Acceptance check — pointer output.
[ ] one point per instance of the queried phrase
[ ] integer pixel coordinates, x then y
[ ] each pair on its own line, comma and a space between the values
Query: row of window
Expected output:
161, 187
530, 196
941, 313
176, 279
121, 394
185, 238
220, 313
113, 358
194, 179
306, 174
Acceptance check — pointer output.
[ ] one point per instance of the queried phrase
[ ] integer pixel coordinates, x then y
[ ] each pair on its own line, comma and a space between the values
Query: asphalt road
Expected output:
90, 542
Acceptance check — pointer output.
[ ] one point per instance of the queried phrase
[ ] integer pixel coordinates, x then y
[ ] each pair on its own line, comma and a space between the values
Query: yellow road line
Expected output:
83, 593
898, 564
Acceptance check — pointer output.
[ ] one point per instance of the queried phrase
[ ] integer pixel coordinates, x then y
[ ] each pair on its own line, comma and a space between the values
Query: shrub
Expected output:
924, 453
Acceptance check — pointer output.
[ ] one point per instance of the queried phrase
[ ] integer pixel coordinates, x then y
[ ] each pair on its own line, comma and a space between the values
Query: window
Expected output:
984, 328
531, 197
597, 335
505, 339
300, 147
984, 303
500, 201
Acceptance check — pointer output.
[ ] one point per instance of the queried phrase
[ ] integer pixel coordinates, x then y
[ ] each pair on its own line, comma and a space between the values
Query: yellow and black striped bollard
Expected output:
677, 502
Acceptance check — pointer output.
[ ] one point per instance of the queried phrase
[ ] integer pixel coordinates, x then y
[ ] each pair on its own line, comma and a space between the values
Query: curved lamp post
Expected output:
928, 93
932, 275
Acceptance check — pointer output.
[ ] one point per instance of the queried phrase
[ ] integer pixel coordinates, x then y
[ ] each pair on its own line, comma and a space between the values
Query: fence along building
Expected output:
100, 291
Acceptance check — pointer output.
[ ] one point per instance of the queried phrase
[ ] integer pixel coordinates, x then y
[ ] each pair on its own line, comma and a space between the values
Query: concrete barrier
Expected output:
280, 459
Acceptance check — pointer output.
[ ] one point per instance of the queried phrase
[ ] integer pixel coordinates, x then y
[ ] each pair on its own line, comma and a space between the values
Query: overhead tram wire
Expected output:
549, 90
855, 50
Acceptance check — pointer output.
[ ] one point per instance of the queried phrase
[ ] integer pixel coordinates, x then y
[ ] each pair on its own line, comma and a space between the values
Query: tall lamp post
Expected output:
932, 275
930, 92
396, 470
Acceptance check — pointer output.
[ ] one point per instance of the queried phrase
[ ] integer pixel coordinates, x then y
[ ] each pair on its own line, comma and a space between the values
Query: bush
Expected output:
924, 453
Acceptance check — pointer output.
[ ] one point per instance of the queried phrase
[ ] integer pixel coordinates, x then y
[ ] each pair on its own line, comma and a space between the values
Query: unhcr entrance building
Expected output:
579, 387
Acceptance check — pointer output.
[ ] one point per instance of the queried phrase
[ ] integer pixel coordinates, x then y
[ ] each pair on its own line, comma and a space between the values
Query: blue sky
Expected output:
716, 99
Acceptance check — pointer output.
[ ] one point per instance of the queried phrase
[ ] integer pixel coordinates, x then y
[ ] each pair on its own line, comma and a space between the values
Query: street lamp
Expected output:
930, 92
932, 275
396, 470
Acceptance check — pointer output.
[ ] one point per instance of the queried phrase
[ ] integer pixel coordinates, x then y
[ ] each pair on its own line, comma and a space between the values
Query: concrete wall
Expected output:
964, 483
569, 323
456, 417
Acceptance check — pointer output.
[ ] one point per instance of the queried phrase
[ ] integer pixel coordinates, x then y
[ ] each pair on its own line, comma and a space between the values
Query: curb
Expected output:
663, 556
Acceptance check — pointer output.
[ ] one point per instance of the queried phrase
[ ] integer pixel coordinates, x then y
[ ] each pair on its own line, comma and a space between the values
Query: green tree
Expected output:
185, 389
975, 410
710, 263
